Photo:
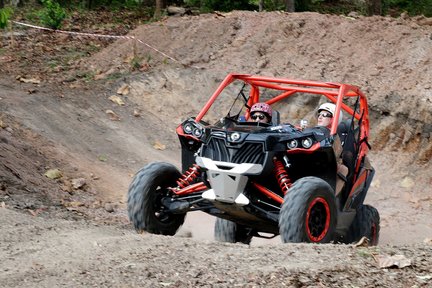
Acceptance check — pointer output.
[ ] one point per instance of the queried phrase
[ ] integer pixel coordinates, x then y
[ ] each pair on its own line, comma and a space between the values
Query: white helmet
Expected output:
330, 107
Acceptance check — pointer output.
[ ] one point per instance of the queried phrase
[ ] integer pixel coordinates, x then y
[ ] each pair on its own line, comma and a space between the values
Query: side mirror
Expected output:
303, 124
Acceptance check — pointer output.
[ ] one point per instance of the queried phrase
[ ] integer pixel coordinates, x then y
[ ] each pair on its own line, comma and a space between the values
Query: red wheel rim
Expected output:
317, 219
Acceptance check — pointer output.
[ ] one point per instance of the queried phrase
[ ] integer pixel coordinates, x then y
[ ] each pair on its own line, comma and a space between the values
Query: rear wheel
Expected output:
308, 213
228, 231
145, 208
365, 224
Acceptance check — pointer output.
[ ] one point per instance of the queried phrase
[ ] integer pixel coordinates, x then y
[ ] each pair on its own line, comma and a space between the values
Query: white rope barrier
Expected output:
100, 36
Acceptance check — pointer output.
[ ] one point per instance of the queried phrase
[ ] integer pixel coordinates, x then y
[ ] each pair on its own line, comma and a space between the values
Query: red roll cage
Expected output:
335, 92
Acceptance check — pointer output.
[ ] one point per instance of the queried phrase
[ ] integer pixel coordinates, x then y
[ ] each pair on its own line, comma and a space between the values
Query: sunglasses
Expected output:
260, 116
325, 115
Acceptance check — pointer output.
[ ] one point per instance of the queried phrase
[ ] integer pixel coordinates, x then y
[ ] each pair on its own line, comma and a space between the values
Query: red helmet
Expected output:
261, 107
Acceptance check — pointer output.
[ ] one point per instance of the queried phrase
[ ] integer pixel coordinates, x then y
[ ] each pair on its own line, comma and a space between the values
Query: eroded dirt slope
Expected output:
388, 58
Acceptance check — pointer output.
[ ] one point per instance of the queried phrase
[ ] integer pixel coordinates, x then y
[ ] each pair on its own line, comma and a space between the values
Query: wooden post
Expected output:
11, 34
134, 49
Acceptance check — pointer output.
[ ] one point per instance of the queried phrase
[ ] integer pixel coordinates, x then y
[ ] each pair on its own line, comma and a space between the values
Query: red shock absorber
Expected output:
189, 176
282, 176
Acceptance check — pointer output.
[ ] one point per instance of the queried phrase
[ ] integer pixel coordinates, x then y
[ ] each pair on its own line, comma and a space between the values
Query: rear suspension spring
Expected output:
282, 176
188, 177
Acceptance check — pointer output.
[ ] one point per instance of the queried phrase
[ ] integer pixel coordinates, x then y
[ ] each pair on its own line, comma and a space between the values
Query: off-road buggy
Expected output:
263, 180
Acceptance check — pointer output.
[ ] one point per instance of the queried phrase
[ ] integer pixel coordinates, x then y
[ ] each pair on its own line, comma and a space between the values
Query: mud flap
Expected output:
343, 223
358, 196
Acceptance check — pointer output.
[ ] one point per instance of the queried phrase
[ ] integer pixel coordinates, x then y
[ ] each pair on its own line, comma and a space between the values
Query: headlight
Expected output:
292, 144
235, 136
188, 128
307, 143
197, 132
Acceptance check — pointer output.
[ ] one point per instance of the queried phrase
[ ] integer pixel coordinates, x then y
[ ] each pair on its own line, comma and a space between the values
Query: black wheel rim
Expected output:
317, 219
159, 210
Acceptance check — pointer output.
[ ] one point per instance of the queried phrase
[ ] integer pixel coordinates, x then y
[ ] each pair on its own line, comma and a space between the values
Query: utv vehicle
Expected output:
266, 179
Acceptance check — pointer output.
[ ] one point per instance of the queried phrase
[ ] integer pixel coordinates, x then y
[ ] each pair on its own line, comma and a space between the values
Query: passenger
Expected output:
325, 118
325, 115
261, 112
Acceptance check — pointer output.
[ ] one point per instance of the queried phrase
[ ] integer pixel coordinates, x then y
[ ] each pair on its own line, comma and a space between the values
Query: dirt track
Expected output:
43, 252
80, 237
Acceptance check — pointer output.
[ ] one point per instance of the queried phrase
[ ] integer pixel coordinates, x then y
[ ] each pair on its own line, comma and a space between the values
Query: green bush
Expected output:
270, 5
52, 15
413, 7
5, 14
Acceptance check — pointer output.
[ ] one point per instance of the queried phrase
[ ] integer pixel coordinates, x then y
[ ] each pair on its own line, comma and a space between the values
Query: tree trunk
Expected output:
1, 4
89, 4
290, 5
261, 5
158, 9
374, 7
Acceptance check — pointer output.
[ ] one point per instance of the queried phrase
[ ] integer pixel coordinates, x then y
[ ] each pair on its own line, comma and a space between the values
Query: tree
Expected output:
289, 5
261, 5
158, 9
302, 5
374, 7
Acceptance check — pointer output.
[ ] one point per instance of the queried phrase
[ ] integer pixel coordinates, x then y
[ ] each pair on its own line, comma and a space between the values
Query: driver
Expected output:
261, 112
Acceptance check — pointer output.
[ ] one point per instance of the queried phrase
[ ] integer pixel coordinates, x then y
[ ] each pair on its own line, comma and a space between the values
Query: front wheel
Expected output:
308, 213
365, 224
228, 231
145, 195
